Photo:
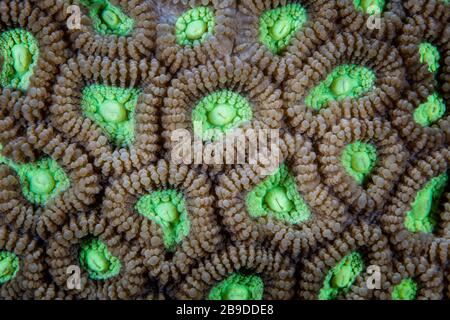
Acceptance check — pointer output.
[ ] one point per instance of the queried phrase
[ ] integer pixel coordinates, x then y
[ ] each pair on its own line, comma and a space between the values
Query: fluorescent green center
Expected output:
218, 113
423, 214
238, 287
167, 212
98, 261
278, 196
280, 29
196, 29
22, 58
20, 53
370, 7
341, 277
405, 290
342, 85
113, 109
236, 291
277, 200
41, 182
345, 81
194, 26
359, 159
429, 54
108, 19
167, 208
221, 115
430, 111
279, 25
9, 266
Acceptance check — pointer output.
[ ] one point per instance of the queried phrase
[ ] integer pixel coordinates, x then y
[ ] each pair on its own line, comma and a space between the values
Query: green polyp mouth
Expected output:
113, 109
359, 159
41, 181
195, 29
168, 212
20, 52
429, 54
221, 115
194, 26
236, 291
168, 209
405, 290
108, 19
342, 85
345, 81
218, 113
370, 7
277, 200
113, 112
21, 57
423, 214
277, 196
430, 111
96, 259
277, 26
9, 266
238, 287
342, 276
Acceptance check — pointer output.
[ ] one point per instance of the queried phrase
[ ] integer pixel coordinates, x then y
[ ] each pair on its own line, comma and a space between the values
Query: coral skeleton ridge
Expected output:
225, 149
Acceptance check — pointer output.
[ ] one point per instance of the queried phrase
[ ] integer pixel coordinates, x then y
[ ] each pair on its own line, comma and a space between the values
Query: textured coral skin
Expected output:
345, 48
215, 47
435, 244
120, 213
66, 115
328, 216
215, 234
362, 237
44, 220
31, 105
276, 271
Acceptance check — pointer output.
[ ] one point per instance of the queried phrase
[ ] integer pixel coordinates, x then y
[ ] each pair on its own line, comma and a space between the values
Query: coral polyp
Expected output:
231, 150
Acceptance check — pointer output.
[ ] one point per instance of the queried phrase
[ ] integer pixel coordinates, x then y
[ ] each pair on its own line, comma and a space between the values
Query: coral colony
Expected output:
92, 92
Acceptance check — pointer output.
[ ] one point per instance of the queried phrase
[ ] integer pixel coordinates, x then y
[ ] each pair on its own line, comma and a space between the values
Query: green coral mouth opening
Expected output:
113, 109
279, 25
194, 26
41, 180
370, 7
345, 81
98, 261
423, 214
218, 113
430, 111
429, 54
167, 208
9, 266
405, 290
20, 52
359, 159
108, 19
278, 196
341, 277
238, 287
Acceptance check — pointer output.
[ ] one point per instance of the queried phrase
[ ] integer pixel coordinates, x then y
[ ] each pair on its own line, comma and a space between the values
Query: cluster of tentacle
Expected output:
225, 149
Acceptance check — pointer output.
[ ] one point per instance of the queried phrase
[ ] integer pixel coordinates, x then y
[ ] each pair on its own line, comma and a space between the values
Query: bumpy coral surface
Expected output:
225, 149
